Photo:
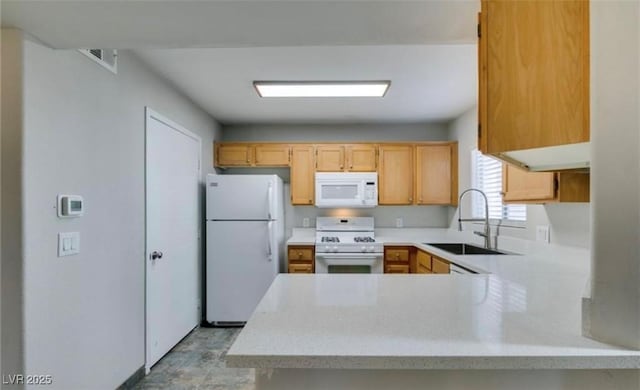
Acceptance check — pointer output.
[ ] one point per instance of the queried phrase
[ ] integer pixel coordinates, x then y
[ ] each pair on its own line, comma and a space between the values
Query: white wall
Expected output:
84, 134
613, 314
338, 133
385, 216
11, 203
569, 222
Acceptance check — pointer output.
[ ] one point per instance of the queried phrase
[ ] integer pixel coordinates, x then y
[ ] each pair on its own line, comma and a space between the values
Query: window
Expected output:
487, 176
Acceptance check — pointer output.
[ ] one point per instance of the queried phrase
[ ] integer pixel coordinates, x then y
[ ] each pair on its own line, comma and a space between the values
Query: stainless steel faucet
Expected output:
487, 228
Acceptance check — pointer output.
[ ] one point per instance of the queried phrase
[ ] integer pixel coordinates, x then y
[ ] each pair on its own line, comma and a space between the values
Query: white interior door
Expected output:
173, 224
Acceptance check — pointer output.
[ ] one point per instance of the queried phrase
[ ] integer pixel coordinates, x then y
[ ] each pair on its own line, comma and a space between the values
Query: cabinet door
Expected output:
395, 174
435, 177
233, 155
361, 158
423, 263
534, 74
439, 266
329, 158
520, 185
276, 155
302, 175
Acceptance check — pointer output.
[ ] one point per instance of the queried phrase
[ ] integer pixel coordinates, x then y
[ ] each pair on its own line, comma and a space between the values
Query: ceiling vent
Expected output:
108, 58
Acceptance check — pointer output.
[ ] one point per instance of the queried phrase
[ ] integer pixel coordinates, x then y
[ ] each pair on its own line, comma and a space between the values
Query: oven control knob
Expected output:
335, 249
363, 249
370, 249
327, 248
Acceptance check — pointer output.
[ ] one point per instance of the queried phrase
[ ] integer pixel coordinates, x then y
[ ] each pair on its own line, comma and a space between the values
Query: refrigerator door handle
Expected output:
270, 239
270, 200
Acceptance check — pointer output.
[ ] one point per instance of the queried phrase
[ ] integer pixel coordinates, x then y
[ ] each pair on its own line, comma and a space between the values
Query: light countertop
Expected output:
522, 313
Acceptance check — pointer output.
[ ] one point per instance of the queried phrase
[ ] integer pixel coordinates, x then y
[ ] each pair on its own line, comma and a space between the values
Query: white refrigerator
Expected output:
245, 243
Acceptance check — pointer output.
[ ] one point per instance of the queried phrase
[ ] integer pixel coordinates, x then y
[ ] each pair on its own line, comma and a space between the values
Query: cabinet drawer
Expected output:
300, 269
439, 266
301, 254
396, 254
424, 260
396, 269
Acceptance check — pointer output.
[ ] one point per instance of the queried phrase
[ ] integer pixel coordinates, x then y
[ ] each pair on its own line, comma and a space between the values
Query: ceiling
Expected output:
213, 50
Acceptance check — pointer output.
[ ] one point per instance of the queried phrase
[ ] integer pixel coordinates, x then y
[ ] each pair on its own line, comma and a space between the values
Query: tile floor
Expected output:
198, 363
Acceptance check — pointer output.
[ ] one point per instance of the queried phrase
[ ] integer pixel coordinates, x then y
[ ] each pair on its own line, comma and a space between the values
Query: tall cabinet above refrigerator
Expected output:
245, 243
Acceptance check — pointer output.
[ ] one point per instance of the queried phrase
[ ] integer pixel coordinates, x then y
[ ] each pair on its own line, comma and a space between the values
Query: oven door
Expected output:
349, 263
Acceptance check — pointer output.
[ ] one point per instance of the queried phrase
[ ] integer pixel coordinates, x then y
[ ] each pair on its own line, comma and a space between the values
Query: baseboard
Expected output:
132, 380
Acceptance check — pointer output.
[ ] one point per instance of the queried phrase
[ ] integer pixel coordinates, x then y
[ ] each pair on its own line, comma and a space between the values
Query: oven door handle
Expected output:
368, 255
349, 259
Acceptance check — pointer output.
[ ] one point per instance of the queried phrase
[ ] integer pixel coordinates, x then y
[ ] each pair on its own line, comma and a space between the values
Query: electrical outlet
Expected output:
305, 222
399, 222
542, 233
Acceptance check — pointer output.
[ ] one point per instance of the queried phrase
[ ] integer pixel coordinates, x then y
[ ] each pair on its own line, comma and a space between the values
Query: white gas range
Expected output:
347, 245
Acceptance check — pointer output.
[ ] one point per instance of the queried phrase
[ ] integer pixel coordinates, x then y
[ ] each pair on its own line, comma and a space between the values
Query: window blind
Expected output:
487, 176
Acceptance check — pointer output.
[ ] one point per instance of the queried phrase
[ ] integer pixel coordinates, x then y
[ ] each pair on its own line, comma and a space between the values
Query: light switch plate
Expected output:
399, 222
305, 222
542, 233
68, 243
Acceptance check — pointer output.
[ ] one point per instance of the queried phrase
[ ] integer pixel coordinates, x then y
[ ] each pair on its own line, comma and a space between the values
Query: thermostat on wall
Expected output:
70, 206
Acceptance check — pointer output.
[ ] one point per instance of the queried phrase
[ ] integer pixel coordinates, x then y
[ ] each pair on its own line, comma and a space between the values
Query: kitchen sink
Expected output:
465, 249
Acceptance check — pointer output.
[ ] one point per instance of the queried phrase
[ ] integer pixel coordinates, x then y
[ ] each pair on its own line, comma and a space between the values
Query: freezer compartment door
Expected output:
242, 261
241, 197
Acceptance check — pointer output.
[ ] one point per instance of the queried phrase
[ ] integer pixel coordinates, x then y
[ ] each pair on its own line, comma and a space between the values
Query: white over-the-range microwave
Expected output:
346, 189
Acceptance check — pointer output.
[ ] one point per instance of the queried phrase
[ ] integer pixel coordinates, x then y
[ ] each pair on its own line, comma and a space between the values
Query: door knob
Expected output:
156, 255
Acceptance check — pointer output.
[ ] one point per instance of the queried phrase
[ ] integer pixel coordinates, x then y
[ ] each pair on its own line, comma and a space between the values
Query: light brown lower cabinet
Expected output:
439, 266
423, 262
300, 259
396, 269
396, 259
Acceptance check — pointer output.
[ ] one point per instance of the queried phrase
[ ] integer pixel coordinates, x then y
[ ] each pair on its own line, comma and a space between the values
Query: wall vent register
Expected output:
108, 58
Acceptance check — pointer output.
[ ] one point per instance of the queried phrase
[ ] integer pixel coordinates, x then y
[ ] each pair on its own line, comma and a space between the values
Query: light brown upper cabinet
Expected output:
437, 174
329, 158
272, 155
520, 186
361, 157
302, 175
395, 174
534, 74
346, 158
233, 155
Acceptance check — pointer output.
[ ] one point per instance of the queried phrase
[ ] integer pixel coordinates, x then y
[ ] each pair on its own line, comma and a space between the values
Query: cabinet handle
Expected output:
341, 167
299, 255
410, 199
309, 201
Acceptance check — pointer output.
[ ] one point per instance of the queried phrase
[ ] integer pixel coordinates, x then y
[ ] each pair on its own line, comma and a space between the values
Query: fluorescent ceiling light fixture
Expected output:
321, 88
